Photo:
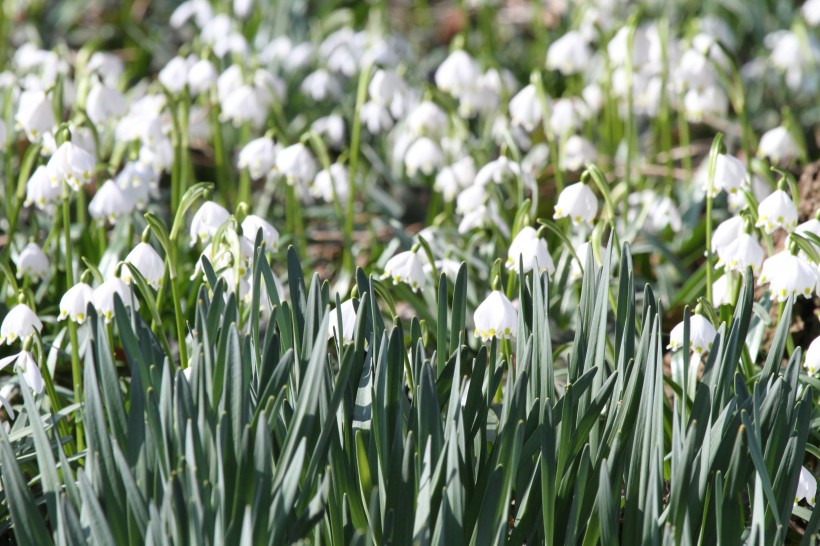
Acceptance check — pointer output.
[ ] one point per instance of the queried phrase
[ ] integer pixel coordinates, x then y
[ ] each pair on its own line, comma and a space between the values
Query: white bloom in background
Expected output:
375, 117
405, 267
206, 221
471, 198
701, 335
777, 211
384, 86
569, 54
700, 103
458, 73
536, 159
660, 211
525, 109
778, 145
577, 152
329, 179
174, 75
564, 117
451, 179
35, 114
497, 171
332, 128
730, 175
531, 250
243, 105
251, 226
788, 275
495, 317
296, 164
424, 156
427, 118
71, 164
24, 363
104, 103
806, 487
110, 203
727, 232
148, 262
201, 77
721, 295
811, 12
198, 10
812, 362
741, 253
577, 202
106, 65
20, 323
258, 156
103, 297
74, 303
32, 261
321, 85
348, 329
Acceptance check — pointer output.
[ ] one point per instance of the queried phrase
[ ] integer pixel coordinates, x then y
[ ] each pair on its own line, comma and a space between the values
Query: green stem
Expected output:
355, 137
244, 175
219, 148
178, 318
538, 82
713, 154
76, 366
294, 217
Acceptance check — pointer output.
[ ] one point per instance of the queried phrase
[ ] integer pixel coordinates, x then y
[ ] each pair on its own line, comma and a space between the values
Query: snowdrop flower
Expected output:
730, 175
385, 86
569, 54
701, 335
198, 10
721, 295
577, 152
24, 363
148, 262
536, 159
32, 261
206, 221
330, 180
806, 487
106, 65
375, 117
497, 171
531, 250
104, 103
110, 203
251, 226
74, 303
778, 145
243, 105
321, 85
405, 267
427, 118
788, 275
458, 73
741, 253
348, 329
452, 178
703, 102
103, 297
20, 323
34, 114
258, 156
174, 75
727, 232
71, 164
296, 164
564, 117
577, 202
525, 109
332, 128
811, 12
777, 211
423, 155
495, 317
201, 77
812, 362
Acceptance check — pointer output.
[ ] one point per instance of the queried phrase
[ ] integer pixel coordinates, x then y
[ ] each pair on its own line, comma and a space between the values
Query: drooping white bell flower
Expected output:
103, 297
811, 12
788, 276
806, 487
71, 164
451, 179
569, 54
202, 77
148, 262
427, 119
531, 250
32, 261
701, 335
251, 226
405, 267
375, 117
525, 109
74, 303
24, 363
110, 203
206, 221
778, 145
495, 317
348, 329
564, 117
329, 180
497, 171
730, 175
106, 65
174, 75
258, 156
577, 202
741, 253
321, 85
296, 164
721, 295
35, 114
457, 73
701, 103
577, 152
104, 103
243, 105
727, 232
20, 323
812, 362
332, 130
424, 156
777, 211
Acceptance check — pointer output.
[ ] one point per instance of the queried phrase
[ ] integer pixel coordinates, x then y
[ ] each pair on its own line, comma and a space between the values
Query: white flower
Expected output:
104, 103
530, 249
148, 262
34, 114
777, 211
32, 261
423, 155
385, 86
375, 117
20, 323
206, 221
427, 118
71, 164
458, 73
730, 175
243, 105
564, 117
806, 487
348, 323
174, 75
296, 164
727, 232
325, 182
742, 252
497, 171
103, 297
74, 303
24, 362
721, 294
701, 335
110, 202
811, 12
788, 275
495, 317
451, 179
405, 267
201, 76
40, 191
252, 224
525, 109
332, 129
812, 362
577, 152
778, 145
569, 54
321, 85
577, 202
258, 156
703, 102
